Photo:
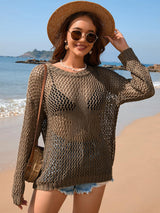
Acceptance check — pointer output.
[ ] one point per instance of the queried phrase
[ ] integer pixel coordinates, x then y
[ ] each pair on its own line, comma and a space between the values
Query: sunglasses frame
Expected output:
86, 34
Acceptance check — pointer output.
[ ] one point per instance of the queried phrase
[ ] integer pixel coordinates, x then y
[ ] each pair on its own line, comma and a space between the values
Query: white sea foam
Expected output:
11, 107
156, 84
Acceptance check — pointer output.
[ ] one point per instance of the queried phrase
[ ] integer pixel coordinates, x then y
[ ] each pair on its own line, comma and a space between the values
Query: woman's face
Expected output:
80, 47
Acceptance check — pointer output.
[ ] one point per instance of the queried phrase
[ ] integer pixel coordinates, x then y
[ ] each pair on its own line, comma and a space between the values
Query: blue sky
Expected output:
23, 26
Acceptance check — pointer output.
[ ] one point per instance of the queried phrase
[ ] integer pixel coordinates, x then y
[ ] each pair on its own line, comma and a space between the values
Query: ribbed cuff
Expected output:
18, 187
17, 199
127, 55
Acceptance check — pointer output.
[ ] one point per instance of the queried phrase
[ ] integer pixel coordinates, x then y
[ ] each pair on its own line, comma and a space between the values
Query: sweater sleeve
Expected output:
140, 86
28, 131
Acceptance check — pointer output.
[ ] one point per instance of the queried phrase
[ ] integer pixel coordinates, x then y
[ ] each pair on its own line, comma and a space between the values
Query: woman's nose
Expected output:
83, 37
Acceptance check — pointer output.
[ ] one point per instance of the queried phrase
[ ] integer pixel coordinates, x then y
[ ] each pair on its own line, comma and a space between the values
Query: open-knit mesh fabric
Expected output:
78, 122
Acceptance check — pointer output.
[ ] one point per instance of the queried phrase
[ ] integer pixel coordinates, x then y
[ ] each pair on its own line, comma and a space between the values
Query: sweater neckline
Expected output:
75, 74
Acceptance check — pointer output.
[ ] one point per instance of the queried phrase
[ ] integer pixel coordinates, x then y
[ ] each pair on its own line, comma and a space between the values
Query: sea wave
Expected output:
156, 84
11, 107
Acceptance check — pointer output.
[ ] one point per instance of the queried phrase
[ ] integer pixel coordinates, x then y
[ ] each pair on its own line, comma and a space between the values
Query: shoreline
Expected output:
136, 173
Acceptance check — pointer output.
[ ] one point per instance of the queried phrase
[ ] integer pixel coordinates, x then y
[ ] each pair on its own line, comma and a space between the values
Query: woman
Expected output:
79, 111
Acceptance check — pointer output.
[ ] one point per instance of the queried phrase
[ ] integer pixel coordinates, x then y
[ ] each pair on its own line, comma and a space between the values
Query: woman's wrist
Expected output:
124, 48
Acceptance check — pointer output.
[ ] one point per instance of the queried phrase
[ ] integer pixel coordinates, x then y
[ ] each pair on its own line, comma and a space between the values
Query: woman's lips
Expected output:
81, 47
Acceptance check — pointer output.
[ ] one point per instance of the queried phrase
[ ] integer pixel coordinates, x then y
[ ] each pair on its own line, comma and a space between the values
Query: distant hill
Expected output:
43, 54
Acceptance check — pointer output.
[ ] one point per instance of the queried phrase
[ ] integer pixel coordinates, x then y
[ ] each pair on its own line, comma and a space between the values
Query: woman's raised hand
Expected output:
118, 41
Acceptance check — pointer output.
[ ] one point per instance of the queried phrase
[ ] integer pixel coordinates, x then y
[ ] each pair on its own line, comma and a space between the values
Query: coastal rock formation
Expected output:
39, 54
32, 61
115, 67
154, 68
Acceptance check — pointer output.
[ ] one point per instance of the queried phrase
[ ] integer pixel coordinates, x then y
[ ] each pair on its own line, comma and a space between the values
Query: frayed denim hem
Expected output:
81, 188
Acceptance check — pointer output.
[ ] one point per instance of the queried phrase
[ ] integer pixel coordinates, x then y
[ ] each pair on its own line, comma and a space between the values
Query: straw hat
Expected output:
59, 16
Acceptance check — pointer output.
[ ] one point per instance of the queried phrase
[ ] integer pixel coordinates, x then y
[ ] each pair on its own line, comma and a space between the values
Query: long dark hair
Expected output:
99, 46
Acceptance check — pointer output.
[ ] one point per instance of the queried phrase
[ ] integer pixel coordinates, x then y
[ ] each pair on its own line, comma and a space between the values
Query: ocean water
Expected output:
13, 84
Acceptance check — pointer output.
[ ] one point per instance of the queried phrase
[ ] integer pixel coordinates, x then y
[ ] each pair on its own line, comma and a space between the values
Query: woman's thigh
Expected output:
46, 201
90, 202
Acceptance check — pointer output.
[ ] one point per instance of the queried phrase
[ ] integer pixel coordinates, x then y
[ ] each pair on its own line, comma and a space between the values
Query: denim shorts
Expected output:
81, 188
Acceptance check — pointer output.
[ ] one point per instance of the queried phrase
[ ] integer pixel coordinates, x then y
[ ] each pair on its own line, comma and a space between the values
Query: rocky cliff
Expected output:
43, 54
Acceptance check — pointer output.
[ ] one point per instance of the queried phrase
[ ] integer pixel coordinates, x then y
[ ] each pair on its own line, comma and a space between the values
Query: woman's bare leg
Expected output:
89, 203
46, 201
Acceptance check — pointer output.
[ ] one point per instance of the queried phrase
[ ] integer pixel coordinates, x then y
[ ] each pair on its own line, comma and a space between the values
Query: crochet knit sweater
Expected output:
78, 122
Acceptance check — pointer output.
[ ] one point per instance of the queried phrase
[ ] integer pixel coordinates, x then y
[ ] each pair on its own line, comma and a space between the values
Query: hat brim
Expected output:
60, 15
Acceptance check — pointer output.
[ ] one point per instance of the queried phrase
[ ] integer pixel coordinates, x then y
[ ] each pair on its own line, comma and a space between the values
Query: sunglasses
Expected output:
90, 37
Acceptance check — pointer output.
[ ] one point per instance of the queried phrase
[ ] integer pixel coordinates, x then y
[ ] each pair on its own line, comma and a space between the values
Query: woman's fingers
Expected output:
118, 41
109, 38
117, 34
23, 202
20, 206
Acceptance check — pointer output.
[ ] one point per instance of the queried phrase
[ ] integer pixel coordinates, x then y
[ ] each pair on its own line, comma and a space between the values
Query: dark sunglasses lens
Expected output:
91, 37
76, 35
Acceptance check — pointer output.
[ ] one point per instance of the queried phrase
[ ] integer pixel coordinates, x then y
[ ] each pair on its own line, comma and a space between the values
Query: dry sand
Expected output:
136, 173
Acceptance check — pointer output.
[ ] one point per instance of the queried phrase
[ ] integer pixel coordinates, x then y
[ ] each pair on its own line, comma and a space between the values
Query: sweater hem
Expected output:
52, 186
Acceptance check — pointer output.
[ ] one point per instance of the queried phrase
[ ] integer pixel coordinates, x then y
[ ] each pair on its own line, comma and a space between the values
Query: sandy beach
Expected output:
136, 173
